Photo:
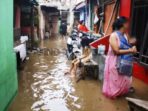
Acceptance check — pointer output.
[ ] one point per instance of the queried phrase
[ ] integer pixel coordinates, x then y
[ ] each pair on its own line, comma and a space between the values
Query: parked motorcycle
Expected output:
73, 46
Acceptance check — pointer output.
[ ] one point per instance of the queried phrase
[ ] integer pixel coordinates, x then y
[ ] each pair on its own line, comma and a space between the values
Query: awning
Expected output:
80, 6
49, 8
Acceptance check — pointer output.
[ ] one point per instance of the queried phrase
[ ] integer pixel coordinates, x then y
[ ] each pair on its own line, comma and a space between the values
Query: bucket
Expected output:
101, 49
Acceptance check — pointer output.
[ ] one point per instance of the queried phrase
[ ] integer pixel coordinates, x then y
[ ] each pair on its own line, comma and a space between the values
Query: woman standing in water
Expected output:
117, 76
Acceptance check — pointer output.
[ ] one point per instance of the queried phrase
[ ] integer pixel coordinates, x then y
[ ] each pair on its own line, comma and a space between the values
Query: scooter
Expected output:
73, 46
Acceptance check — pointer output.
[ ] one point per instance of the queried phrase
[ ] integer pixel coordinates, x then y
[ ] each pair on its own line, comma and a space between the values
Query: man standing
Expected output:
82, 27
63, 29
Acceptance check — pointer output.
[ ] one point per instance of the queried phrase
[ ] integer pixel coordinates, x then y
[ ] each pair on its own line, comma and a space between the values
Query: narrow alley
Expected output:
44, 87
73, 55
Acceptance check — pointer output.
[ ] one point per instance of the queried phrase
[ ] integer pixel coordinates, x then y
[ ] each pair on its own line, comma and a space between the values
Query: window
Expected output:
139, 28
144, 49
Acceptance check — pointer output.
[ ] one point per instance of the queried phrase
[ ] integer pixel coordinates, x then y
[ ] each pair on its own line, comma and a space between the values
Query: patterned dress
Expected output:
114, 84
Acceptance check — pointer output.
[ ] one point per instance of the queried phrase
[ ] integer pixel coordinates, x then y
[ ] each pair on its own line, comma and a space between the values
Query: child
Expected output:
75, 63
69, 44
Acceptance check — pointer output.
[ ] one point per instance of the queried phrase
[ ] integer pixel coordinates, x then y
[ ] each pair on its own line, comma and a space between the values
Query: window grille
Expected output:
139, 28
144, 48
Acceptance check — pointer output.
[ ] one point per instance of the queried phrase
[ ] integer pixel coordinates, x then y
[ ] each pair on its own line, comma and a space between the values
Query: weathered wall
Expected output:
8, 76
18, 17
108, 13
55, 25
41, 23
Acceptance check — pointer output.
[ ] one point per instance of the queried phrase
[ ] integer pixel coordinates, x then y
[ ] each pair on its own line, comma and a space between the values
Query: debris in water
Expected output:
27, 58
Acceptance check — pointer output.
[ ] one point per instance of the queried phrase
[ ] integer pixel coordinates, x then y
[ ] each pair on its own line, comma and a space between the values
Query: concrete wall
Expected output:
8, 75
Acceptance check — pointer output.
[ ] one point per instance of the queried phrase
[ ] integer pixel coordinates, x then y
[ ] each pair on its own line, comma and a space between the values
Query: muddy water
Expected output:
44, 87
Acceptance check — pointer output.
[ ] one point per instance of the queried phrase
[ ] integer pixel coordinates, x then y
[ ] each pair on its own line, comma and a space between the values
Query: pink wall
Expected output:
18, 17
26, 30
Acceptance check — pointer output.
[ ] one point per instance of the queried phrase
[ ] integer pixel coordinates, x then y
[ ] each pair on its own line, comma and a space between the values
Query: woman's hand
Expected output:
133, 50
132, 41
114, 44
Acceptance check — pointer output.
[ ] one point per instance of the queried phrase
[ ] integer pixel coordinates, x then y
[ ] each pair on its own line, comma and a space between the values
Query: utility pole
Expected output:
32, 26
71, 13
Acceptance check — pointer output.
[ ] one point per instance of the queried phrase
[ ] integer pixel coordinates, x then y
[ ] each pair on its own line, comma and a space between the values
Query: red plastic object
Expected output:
125, 8
140, 72
103, 41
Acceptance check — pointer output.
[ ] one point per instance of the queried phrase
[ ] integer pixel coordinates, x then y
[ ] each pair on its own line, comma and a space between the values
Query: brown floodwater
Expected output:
44, 87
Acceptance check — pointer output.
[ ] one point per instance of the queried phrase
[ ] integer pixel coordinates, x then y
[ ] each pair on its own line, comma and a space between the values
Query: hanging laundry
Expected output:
22, 51
96, 19
24, 39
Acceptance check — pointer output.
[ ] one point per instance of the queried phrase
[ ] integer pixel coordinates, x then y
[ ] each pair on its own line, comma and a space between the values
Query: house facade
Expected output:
136, 12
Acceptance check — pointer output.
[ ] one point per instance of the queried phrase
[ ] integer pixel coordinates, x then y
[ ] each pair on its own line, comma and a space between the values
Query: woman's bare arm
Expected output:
115, 47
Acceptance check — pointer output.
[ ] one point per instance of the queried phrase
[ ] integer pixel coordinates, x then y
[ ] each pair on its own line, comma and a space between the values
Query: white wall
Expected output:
41, 22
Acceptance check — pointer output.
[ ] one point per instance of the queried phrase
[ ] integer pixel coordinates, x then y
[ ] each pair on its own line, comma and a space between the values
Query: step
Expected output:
137, 104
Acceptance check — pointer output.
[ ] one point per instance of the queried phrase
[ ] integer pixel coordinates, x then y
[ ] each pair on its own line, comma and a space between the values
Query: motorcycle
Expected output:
73, 46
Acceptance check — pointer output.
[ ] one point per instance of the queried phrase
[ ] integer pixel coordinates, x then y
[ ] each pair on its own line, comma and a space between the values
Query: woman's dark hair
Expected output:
119, 22
81, 21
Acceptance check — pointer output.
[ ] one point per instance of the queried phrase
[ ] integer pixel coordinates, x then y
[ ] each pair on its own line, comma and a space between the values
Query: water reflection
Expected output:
44, 87
53, 91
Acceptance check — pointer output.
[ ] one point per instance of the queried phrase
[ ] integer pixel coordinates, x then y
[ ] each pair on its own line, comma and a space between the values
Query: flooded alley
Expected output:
73, 55
44, 87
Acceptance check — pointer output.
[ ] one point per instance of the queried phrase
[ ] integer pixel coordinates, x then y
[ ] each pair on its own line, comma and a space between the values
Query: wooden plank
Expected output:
137, 102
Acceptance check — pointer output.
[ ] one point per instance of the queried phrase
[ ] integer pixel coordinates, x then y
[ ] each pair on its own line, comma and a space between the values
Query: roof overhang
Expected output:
53, 3
80, 6
49, 8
